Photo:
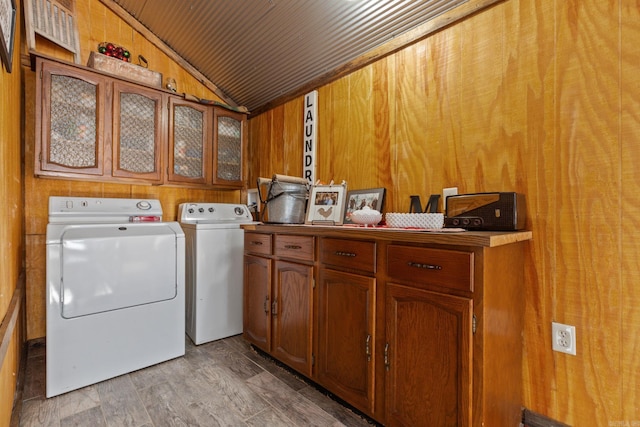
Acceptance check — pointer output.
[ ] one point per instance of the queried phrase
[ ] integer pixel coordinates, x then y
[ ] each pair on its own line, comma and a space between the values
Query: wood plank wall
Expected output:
536, 96
96, 23
11, 228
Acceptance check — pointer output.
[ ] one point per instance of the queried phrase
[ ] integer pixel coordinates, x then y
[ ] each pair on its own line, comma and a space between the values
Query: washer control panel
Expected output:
203, 213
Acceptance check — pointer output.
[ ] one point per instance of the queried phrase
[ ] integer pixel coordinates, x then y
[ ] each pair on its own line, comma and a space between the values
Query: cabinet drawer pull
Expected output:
367, 347
292, 247
387, 365
256, 243
347, 254
425, 266
266, 304
274, 308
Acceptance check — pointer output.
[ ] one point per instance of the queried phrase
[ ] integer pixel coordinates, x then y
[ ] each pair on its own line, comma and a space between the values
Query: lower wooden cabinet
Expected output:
278, 298
412, 329
346, 341
257, 301
427, 358
291, 310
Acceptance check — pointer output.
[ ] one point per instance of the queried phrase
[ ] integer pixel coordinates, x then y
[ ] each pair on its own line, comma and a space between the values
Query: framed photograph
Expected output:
326, 204
358, 199
7, 31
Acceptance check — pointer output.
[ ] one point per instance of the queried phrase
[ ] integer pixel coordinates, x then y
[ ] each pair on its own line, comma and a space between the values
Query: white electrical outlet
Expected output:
563, 338
446, 192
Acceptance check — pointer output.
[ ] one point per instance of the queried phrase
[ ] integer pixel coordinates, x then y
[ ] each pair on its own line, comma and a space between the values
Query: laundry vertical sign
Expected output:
310, 135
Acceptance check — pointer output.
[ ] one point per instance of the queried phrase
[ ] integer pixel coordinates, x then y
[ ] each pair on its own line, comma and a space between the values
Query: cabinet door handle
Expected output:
425, 266
292, 247
255, 243
367, 347
274, 308
347, 254
387, 365
266, 304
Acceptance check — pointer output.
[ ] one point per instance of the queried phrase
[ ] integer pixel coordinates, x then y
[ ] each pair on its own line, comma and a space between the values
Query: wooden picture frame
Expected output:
326, 204
357, 199
7, 32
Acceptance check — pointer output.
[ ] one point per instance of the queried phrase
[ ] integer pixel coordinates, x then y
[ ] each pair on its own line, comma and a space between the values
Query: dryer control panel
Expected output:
103, 210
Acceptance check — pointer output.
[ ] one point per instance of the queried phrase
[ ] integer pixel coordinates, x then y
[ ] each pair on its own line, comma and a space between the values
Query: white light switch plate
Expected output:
446, 192
253, 199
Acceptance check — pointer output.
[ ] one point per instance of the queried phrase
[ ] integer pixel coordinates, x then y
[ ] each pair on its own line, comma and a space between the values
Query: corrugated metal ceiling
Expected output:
256, 51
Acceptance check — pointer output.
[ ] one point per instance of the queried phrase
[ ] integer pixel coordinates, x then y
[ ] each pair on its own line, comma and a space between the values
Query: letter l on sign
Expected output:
310, 143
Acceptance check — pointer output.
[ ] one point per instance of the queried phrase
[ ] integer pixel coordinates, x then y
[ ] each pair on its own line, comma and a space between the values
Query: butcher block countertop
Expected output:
445, 237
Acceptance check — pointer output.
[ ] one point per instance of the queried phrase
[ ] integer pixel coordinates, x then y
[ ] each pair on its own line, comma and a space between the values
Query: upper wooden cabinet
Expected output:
71, 113
138, 139
206, 145
189, 150
229, 128
97, 127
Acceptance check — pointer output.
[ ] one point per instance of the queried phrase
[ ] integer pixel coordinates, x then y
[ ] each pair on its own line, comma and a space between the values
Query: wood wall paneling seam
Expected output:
9, 322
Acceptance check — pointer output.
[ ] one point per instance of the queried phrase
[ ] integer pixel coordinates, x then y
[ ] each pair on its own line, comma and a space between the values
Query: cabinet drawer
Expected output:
257, 243
351, 254
428, 266
295, 247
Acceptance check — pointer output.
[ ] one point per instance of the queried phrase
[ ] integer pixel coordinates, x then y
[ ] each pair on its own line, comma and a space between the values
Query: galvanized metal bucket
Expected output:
286, 201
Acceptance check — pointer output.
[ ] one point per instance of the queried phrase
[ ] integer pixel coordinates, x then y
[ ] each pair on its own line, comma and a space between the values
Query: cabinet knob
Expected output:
367, 347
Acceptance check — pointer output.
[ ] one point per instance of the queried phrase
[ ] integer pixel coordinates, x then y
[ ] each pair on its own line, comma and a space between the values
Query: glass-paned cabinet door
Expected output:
189, 152
137, 133
71, 136
228, 147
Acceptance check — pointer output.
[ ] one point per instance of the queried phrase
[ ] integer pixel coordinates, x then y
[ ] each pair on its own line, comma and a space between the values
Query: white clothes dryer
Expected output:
115, 290
214, 268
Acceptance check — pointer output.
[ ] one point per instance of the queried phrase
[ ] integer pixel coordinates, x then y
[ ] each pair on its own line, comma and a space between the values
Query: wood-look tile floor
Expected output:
222, 383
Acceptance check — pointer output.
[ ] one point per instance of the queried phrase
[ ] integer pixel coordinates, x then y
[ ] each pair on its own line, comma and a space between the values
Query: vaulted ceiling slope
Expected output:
257, 52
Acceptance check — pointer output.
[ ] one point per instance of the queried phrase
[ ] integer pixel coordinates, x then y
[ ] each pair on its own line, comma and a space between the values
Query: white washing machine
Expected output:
214, 268
115, 290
